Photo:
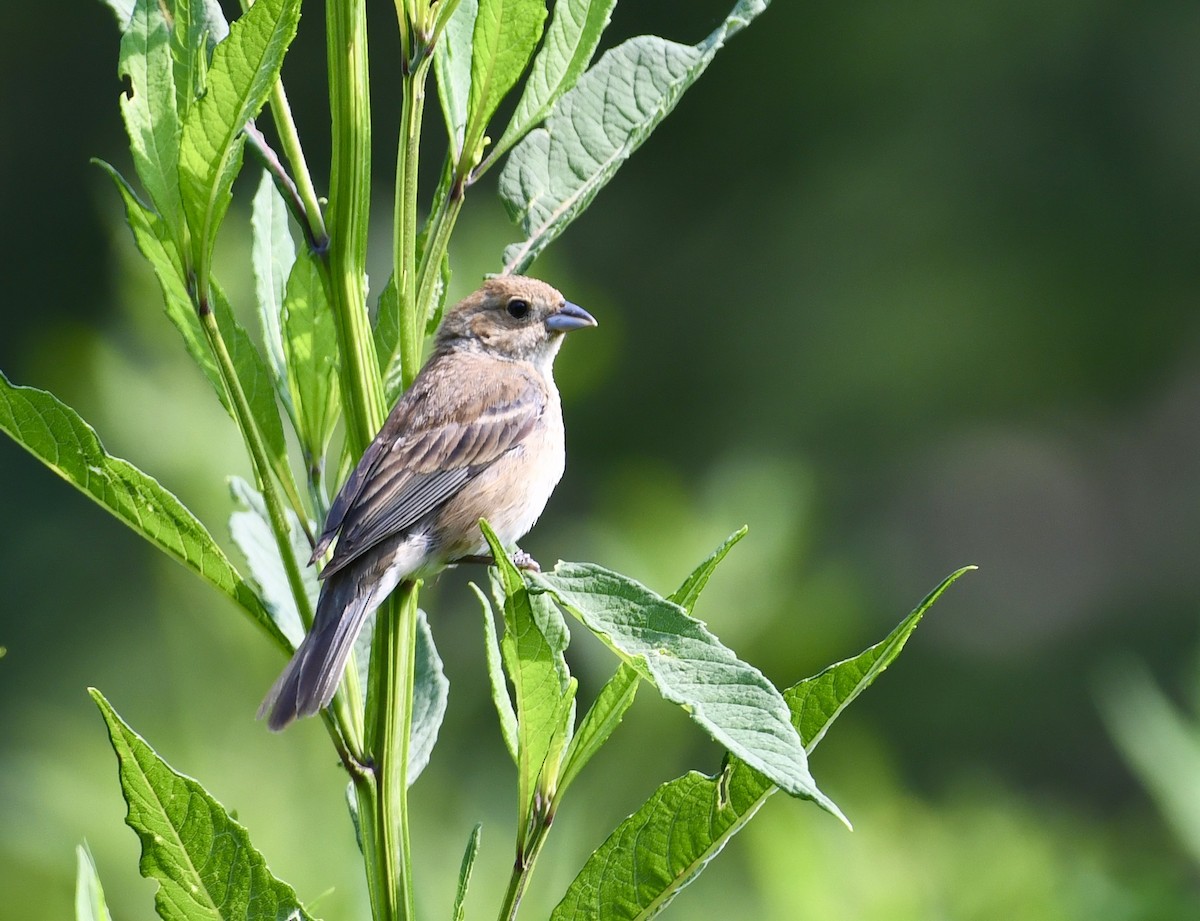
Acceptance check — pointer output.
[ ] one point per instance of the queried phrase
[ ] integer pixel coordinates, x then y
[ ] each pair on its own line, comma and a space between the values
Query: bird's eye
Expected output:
518, 308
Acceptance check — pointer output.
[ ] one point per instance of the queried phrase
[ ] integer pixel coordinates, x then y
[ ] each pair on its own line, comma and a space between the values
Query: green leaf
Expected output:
52, 432
123, 10
505, 35
251, 531
149, 111
274, 253
556, 171
532, 649
198, 26
152, 239
464, 874
570, 42
154, 242
89, 894
728, 698
665, 844
452, 66
201, 857
431, 691
687, 594
311, 347
244, 68
495, 669
602, 718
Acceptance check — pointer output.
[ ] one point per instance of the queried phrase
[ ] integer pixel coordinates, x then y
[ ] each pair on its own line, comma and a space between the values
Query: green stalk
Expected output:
258, 457
404, 227
289, 140
436, 245
522, 870
349, 208
389, 734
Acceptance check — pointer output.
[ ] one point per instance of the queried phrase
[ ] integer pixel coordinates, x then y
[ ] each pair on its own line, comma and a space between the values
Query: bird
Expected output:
478, 434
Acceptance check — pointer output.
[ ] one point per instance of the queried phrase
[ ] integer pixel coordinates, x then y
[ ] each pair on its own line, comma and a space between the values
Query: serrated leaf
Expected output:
151, 237
535, 637
274, 253
153, 241
602, 718
251, 531
149, 111
53, 432
464, 874
495, 669
688, 593
89, 894
202, 858
244, 68
570, 42
311, 348
728, 698
556, 171
198, 25
502, 42
665, 844
452, 67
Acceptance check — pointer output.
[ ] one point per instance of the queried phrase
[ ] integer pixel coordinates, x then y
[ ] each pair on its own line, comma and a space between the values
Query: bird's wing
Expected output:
434, 442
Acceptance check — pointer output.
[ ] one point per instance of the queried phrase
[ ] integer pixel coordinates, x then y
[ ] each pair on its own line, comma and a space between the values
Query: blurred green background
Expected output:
901, 286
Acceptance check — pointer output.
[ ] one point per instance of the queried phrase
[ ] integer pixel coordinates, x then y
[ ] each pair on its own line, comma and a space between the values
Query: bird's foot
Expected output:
520, 558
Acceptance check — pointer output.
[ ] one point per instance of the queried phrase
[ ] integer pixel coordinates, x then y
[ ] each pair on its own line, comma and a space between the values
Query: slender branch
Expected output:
258, 456
523, 868
436, 244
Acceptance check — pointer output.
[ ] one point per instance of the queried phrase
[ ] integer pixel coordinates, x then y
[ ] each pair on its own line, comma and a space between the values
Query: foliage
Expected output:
195, 87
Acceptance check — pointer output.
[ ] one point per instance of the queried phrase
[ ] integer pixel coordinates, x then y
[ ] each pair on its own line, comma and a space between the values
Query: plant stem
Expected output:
289, 140
349, 204
404, 229
389, 732
523, 868
258, 456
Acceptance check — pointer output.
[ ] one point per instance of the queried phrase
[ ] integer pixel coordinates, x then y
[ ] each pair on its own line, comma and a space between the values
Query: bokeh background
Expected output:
901, 286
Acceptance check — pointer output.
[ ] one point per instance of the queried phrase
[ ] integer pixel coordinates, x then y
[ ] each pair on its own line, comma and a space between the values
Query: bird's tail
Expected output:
309, 681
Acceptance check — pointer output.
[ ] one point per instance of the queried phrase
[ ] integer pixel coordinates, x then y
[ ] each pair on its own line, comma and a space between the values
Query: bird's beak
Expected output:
569, 317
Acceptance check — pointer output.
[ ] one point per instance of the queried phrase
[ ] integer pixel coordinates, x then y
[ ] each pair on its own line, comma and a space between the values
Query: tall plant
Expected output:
195, 87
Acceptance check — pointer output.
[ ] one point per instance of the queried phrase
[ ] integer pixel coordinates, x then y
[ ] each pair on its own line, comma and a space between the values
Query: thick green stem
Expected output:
404, 229
349, 207
389, 734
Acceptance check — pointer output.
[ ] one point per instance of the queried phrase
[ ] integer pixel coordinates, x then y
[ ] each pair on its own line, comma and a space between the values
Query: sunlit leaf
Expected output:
251, 531
52, 432
556, 171
431, 691
452, 67
532, 650
570, 42
667, 842
273, 252
244, 68
202, 858
728, 698
601, 720
495, 669
198, 25
505, 35
688, 593
464, 874
149, 110
311, 348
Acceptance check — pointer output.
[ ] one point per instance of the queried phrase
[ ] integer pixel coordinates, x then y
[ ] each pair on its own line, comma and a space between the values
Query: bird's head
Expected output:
515, 317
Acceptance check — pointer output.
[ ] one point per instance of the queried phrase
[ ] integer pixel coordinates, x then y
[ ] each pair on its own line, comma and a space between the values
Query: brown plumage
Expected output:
479, 434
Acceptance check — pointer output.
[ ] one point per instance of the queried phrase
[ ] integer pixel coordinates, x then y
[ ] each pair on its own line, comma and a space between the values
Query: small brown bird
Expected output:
479, 434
